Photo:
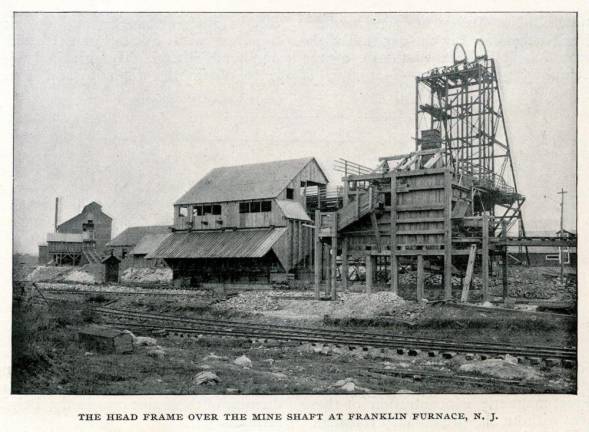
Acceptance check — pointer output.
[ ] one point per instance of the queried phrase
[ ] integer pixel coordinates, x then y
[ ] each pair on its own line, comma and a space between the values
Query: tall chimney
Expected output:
56, 212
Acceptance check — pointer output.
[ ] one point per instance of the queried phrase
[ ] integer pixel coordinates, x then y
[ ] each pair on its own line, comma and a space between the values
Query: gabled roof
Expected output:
149, 243
132, 235
293, 210
244, 182
243, 243
87, 208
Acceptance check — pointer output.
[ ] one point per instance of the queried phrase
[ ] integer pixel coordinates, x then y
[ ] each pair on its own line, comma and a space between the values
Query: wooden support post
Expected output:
469, 270
393, 237
300, 255
369, 273
448, 235
344, 271
346, 198
327, 292
420, 278
504, 258
485, 258
334, 258
317, 266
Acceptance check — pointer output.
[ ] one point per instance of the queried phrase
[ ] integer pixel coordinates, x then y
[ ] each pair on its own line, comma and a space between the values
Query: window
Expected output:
255, 207
289, 193
197, 211
182, 211
207, 209
216, 209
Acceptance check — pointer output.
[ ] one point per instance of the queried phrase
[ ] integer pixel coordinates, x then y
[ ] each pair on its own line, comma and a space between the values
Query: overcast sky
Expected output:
130, 110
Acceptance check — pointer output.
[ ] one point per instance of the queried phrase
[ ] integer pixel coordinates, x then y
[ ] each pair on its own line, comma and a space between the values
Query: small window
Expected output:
255, 207
216, 209
207, 209
182, 211
552, 257
244, 207
387, 198
289, 193
266, 206
197, 211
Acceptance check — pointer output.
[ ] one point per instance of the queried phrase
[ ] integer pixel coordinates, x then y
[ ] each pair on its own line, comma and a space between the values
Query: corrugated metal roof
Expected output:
242, 243
149, 243
293, 210
244, 182
65, 237
132, 235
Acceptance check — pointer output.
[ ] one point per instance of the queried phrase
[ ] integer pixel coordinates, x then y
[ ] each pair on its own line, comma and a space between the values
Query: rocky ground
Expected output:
48, 358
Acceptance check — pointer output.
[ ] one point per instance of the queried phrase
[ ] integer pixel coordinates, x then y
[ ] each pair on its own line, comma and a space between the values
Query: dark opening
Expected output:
207, 209
244, 207
216, 209
289, 193
255, 207
266, 206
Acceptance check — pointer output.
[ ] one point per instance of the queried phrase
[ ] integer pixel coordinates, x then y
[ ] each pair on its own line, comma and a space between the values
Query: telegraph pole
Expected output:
560, 255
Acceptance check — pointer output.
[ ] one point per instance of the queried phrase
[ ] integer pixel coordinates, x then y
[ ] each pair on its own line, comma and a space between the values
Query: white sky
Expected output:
130, 110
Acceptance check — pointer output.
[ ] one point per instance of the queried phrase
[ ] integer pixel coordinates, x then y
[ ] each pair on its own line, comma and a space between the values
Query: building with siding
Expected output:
79, 240
136, 241
244, 224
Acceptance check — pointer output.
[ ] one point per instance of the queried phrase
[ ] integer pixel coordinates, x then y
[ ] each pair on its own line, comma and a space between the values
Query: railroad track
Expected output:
203, 326
132, 293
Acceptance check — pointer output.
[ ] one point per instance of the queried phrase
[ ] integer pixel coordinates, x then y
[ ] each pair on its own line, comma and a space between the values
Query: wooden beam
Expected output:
447, 235
327, 256
485, 258
393, 237
317, 266
420, 278
334, 259
369, 273
468, 277
504, 258
344, 271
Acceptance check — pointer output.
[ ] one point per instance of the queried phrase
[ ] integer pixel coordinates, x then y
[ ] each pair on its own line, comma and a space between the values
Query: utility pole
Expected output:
560, 255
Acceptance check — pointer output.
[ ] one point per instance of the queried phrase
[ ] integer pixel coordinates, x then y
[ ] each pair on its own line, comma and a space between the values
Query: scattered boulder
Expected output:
232, 390
243, 361
499, 368
144, 341
206, 378
348, 385
157, 352
279, 375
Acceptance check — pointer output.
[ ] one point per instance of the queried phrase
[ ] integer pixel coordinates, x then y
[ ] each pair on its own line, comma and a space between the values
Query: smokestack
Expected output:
56, 212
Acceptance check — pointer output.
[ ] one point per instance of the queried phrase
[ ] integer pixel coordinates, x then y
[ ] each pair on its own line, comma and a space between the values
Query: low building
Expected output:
244, 224
544, 256
124, 244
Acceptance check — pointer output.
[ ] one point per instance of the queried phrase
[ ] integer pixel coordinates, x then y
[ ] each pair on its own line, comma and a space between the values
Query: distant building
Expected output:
545, 255
142, 238
79, 240
244, 224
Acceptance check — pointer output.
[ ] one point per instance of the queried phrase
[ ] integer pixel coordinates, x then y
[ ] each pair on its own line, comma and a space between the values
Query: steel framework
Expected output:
461, 106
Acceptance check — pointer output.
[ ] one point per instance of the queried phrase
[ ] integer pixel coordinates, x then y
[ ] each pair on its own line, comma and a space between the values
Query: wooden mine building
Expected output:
448, 204
245, 224
79, 240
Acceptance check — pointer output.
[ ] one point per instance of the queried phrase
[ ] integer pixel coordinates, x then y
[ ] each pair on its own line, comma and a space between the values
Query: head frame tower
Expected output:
461, 106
